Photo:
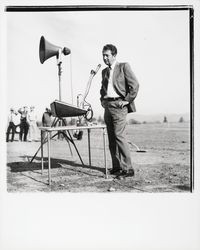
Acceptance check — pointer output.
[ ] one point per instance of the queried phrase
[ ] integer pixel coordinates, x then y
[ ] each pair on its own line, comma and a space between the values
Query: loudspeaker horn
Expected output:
47, 50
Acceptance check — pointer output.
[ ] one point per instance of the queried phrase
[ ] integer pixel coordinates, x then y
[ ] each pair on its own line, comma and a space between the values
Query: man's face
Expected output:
108, 58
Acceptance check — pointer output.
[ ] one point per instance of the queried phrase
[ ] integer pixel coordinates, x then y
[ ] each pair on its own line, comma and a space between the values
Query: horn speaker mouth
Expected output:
42, 49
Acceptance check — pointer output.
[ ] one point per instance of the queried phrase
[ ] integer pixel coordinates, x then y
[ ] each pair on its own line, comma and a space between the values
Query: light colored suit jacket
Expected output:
125, 84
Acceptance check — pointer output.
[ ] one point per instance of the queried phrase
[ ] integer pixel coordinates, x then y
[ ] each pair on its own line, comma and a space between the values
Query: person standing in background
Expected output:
46, 120
32, 118
24, 123
12, 124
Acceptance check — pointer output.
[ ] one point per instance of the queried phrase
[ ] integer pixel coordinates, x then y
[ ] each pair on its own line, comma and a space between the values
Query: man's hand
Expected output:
123, 103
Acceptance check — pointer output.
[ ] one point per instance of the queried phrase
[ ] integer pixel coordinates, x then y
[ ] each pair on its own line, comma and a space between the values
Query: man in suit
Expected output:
118, 90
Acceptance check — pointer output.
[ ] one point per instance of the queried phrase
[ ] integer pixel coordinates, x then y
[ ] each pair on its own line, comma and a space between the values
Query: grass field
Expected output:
164, 167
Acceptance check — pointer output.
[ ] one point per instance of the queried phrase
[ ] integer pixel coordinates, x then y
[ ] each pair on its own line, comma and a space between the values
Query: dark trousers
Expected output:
115, 119
24, 127
11, 128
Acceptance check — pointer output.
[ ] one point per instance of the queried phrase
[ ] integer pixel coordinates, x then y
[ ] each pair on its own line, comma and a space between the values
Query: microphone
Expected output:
97, 69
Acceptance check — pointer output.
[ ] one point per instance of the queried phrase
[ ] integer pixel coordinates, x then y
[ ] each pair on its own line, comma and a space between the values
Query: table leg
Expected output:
104, 147
89, 149
49, 155
42, 159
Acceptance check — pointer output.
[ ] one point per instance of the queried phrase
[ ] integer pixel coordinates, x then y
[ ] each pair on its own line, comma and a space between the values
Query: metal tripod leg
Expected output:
69, 138
42, 143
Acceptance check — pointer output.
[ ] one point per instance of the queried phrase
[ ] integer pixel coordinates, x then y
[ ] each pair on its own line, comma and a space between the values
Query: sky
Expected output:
155, 43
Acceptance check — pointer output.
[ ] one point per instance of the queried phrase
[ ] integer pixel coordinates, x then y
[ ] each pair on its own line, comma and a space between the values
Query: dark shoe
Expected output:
124, 174
115, 171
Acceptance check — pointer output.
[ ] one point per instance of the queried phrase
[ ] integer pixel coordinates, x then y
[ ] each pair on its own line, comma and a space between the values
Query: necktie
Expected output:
107, 78
108, 72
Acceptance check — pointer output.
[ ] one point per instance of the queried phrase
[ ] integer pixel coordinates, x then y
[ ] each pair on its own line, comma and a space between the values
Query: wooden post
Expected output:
42, 159
104, 146
89, 149
49, 154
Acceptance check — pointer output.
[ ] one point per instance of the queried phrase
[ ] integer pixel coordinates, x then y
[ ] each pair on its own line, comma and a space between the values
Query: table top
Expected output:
60, 128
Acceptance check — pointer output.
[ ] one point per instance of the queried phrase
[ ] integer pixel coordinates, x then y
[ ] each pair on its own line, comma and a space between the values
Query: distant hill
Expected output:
158, 117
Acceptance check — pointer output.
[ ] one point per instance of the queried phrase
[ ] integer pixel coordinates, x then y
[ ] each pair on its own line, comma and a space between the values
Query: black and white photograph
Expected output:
99, 102
59, 77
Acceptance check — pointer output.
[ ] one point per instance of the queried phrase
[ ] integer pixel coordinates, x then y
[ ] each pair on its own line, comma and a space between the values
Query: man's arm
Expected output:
102, 90
132, 83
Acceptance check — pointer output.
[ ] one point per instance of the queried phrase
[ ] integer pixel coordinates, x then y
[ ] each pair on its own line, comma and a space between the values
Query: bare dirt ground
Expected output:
164, 167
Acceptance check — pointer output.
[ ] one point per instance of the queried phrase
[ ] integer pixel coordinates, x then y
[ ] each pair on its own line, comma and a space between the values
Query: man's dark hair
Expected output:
112, 48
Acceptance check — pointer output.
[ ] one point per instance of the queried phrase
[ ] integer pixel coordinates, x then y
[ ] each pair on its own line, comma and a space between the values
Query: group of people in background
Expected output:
24, 121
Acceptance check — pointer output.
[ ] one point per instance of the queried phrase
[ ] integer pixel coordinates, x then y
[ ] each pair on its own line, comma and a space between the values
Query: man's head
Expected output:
109, 54
32, 108
12, 110
25, 108
48, 110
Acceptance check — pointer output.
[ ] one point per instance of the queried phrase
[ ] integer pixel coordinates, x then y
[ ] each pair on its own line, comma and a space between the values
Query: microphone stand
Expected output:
59, 77
59, 62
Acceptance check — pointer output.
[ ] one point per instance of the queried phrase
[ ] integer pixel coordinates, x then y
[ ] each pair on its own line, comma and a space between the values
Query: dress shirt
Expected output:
13, 118
110, 90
